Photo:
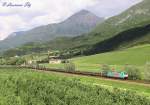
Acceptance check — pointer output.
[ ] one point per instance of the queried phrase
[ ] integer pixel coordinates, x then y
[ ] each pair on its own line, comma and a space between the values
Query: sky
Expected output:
33, 13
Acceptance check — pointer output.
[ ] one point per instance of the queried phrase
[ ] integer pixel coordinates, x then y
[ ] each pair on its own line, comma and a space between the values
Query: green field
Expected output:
137, 56
28, 87
140, 88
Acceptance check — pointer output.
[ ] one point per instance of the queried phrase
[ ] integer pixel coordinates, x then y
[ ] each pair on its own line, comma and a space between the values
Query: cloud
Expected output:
110, 8
51, 11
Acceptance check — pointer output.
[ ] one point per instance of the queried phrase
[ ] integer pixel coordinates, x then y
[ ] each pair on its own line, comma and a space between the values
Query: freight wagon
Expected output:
114, 74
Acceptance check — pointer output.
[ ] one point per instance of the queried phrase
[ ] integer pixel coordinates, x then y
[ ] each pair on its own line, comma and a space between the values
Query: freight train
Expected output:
108, 74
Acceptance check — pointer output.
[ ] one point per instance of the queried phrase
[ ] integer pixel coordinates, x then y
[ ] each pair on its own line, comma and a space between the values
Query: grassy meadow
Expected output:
138, 55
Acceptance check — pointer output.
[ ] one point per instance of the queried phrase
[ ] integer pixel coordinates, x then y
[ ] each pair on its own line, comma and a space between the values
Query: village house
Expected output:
55, 60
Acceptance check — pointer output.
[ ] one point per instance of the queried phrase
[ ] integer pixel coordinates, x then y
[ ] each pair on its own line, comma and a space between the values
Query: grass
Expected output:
115, 84
135, 56
59, 66
78, 67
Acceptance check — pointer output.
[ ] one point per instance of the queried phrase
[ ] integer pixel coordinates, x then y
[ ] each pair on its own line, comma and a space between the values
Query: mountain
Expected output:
135, 16
130, 28
80, 23
132, 21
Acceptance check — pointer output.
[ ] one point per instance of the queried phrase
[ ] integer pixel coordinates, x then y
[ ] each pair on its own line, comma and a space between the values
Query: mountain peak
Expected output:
83, 16
83, 12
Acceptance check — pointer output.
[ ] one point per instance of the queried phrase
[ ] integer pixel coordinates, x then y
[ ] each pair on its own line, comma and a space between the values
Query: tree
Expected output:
20, 61
105, 67
70, 66
147, 71
133, 72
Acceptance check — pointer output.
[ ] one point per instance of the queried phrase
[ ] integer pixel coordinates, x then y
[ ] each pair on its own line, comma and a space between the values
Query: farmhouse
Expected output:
55, 60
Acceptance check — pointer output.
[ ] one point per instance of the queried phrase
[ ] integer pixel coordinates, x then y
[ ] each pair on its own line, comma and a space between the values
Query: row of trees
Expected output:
12, 61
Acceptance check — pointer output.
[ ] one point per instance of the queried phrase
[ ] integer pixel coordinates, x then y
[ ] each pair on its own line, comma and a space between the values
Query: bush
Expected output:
133, 72
20, 61
147, 71
2, 61
70, 67
46, 60
11, 61
64, 61
105, 67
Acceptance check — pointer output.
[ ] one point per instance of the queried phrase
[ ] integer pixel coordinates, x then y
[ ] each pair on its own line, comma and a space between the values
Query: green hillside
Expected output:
135, 56
129, 38
133, 23
135, 16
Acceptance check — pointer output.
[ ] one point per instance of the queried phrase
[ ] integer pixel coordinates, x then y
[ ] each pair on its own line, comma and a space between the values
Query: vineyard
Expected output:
28, 87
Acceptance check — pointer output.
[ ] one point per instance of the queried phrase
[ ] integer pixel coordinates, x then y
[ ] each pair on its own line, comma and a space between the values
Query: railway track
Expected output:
91, 74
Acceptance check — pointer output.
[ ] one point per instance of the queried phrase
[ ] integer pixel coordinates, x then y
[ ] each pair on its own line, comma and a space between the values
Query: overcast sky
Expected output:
44, 12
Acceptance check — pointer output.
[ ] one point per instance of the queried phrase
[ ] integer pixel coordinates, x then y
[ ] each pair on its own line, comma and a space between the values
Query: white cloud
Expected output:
48, 11
110, 8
